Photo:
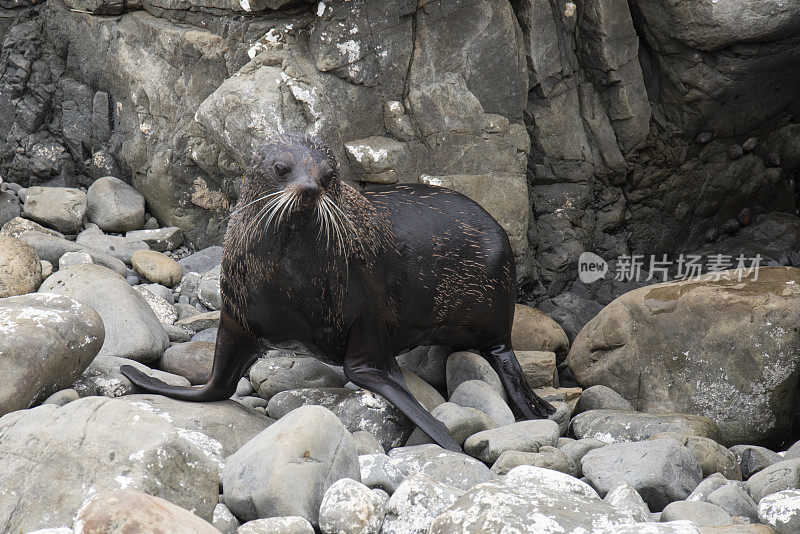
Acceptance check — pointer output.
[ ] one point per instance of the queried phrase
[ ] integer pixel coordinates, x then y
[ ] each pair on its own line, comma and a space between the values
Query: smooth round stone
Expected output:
702, 514
619, 425
350, 506
534, 330
709, 485
244, 388
156, 267
483, 397
781, 511
270, 376
202, 261
422, 391
601, 397
525, 436
115, 206
624, 497
452, 468
660, 470
461, 423
547, 457
428, 363
20, 268
578, 448
208, 290
62, 397
712, 457
192, 360
777, 477
133, 511
381, 471
735, 501
463, 366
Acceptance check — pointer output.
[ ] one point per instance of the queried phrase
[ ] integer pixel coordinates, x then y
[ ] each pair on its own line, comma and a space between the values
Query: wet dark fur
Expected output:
420, 265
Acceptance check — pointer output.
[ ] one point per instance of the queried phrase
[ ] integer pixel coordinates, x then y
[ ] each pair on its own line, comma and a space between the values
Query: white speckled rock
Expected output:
525, 436
277, 525
614, 426
286, 469
531, 509
224, 520
781, 511
164, 310
660, 470
539, 477
60, 208
46, 342
20, 267
351, 507
108, 444
270, 376
452, 468
74, 258
624, 497
415, 504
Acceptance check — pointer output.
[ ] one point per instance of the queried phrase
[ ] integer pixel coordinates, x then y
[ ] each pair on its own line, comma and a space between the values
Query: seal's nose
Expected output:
308, 190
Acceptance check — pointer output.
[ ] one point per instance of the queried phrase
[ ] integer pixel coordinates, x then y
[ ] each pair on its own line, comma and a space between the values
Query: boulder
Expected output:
461, 423
60, 208
20, 267
534, 331
134, 511
220, 428
286, 469
702, 514
735, 501
712, 457
202, 261
357, 409
132, 329
547, 457
614, 426
428, 363
753, 458
108, 444
682, 346
115, 206
660, 470
46, 342
17, 226
600, 398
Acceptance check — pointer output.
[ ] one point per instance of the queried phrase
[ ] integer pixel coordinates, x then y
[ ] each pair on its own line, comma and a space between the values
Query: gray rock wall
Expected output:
573, 123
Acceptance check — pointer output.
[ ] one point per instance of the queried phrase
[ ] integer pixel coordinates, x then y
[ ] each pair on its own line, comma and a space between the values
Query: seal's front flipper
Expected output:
392, 386
505, 364
235, 349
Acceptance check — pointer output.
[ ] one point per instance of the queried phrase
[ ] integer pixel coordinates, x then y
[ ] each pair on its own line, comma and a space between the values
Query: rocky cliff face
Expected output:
600, 125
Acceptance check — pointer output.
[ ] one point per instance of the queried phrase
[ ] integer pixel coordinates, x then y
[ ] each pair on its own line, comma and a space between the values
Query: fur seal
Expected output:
360, 277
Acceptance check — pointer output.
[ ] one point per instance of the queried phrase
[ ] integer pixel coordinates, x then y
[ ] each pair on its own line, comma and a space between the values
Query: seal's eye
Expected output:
327, 177
281, 169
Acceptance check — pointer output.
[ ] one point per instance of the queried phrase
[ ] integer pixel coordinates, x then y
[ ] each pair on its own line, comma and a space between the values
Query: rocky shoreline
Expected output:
689, 395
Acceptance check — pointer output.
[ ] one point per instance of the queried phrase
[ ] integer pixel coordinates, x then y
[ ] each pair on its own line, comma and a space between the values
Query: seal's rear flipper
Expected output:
393, 388
505, 364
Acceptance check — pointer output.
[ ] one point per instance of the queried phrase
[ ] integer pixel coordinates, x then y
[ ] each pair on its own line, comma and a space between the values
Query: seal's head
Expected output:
298, 168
